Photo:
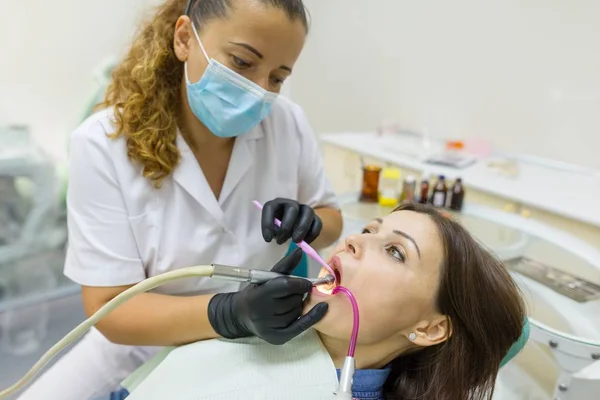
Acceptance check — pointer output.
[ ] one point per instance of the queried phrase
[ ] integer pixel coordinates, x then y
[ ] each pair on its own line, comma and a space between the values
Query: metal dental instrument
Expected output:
326, 280
236, 274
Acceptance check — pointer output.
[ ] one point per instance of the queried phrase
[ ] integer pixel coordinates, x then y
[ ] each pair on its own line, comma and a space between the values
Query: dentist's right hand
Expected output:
272, 310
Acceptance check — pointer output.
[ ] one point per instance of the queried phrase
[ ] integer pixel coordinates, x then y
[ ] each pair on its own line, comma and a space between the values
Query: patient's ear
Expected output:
431, 332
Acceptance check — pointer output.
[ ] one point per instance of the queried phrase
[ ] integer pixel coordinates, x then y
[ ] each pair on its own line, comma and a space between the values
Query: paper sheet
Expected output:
243, 369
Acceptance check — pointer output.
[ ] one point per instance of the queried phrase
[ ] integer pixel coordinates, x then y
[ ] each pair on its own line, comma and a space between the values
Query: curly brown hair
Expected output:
145, 91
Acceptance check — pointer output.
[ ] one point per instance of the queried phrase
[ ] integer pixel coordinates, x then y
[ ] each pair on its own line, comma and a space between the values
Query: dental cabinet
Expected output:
559, 275
559, 195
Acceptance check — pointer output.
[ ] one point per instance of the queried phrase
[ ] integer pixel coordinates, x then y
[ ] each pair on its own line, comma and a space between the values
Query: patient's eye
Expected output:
396, 253
393, 251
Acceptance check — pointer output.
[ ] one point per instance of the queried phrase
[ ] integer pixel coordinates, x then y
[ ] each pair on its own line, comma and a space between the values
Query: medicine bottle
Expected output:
438, 198
389, 187
458, 195
424, 191
408, 190
370, 186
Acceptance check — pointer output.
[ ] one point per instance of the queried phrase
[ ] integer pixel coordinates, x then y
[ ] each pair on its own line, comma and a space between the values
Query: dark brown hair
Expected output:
485, 311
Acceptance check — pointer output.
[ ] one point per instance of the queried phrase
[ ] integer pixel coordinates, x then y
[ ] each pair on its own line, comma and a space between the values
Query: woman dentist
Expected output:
164, 178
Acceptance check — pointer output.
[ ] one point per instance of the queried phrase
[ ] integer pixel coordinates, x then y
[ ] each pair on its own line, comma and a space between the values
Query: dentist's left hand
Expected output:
271, 311
298, 221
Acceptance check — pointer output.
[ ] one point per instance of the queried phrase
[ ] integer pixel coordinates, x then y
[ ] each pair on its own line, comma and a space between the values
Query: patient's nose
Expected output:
354, 245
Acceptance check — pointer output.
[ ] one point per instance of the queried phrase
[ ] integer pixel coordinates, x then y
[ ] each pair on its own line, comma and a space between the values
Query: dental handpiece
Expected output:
257, 276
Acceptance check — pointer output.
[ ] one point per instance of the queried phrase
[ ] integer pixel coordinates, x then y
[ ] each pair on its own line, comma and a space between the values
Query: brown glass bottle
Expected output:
424, 191
440, 192
408, 194
458, 195
370, 187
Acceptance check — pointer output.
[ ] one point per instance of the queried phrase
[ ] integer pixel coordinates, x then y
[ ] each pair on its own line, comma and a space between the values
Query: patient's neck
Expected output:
373, 356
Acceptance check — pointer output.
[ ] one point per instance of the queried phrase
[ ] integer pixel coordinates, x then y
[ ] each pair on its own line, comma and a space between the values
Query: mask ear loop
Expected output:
203, 51
200, 42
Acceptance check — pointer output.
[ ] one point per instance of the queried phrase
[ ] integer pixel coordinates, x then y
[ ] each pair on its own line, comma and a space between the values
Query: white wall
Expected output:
49, 51
523, 73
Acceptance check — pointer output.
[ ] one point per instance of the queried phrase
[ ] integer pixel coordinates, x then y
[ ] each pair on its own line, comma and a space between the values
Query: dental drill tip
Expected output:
325, 280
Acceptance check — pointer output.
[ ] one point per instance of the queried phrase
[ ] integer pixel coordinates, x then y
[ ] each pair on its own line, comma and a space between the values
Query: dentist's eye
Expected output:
276, 81
239, 63
396, 253
366, 231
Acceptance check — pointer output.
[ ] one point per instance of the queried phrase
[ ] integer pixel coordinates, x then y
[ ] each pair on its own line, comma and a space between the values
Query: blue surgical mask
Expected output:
224, 101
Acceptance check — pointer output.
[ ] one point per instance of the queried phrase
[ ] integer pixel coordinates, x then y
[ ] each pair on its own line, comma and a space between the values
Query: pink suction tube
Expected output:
354, 336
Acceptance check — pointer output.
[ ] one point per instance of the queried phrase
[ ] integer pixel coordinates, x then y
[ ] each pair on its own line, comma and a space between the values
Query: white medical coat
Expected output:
122, 230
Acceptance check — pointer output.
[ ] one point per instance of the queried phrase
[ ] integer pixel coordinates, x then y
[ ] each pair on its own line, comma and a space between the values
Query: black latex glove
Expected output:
272, 311
298, 221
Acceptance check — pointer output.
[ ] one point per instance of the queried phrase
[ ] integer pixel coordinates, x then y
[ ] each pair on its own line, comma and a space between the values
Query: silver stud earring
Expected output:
412, 336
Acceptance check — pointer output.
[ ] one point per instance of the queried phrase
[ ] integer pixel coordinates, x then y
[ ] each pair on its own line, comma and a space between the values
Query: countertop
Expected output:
568, 194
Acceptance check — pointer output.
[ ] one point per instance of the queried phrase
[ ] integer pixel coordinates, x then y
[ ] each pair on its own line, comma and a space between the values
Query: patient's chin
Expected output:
310, 302
327, 325
313, 300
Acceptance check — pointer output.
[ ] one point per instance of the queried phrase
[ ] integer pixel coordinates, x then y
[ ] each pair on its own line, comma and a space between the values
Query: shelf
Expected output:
535, 186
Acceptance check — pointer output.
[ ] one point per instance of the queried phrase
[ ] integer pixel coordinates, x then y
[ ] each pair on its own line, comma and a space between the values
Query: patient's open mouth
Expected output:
335, 264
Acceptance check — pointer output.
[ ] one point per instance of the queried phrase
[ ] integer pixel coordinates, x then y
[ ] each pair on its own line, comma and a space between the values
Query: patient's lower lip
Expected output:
316, 292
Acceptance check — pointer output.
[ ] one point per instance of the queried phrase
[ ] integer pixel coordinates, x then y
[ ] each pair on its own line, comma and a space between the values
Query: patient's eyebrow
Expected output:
407, 236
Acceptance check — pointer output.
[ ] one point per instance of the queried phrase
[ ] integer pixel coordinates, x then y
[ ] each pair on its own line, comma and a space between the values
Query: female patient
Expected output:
438, 312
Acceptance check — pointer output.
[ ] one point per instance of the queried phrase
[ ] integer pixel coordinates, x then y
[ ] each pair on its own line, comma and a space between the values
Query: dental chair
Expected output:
519, 344
579, 361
